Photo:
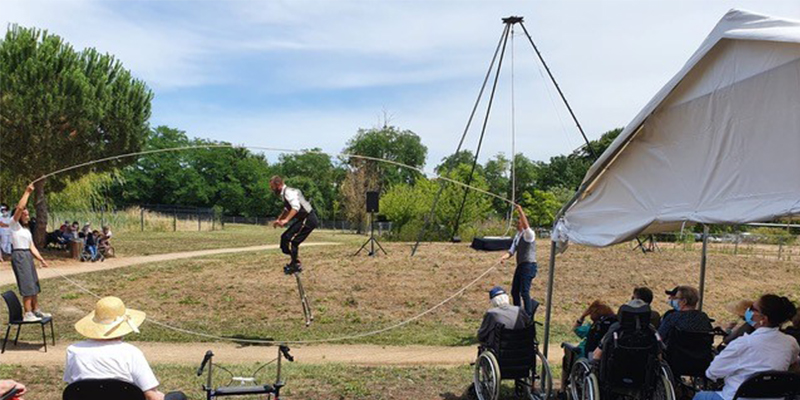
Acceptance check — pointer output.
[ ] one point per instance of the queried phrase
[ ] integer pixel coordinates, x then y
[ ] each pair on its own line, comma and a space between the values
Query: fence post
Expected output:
780, 248
141, 218
198, 221
174, 220
213, 222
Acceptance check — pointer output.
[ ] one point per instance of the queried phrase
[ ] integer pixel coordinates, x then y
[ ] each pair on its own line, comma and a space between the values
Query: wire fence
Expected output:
147, 217
780, 244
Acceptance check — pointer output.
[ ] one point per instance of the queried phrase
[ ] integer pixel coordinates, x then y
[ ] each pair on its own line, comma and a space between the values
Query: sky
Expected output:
301, 74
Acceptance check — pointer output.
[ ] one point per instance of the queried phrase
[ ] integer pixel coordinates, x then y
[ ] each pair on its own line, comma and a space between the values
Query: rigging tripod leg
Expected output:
309, 316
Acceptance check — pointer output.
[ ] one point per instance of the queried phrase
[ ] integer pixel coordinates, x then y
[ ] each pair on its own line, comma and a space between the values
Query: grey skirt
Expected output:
25, 272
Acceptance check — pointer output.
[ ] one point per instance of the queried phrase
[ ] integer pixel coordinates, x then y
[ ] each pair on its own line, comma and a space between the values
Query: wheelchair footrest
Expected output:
243, 390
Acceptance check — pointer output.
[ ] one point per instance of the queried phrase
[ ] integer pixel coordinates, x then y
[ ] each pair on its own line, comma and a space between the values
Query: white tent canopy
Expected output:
720, 143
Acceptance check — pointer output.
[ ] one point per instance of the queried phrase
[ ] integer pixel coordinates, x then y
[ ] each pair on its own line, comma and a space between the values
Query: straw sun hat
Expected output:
110, 320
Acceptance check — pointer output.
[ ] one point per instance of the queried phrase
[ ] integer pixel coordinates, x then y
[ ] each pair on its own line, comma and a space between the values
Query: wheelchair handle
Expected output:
207, 357
284, 349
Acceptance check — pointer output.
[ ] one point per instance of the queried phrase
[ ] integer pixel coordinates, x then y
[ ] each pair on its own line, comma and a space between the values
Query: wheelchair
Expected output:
630, 367
689, 353
515, 356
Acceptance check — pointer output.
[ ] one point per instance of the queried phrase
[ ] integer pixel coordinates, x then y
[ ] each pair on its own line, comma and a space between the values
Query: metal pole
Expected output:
550, 281
703, 267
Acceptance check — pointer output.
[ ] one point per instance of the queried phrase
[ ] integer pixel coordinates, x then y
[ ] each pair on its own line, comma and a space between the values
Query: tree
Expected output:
357, 182
540, 206
60, 108
452, 162
389, 143
318, 173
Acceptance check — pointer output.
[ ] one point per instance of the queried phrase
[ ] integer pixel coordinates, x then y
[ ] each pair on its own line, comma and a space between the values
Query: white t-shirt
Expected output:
97, 359
4, 231
20, 236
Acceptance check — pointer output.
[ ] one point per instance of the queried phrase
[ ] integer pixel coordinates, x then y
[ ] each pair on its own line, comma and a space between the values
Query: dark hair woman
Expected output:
22, 260
767, 348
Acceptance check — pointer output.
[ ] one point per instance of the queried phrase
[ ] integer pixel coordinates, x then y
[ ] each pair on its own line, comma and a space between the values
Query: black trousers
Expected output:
298, 232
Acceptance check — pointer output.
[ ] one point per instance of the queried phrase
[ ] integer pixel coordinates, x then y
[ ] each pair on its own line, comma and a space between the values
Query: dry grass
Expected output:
248, 295
307, 382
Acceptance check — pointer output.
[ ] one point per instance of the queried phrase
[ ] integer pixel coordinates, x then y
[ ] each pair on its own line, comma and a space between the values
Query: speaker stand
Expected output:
371, 241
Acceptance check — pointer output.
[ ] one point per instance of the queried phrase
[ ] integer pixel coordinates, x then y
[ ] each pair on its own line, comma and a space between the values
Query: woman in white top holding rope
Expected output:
22, 257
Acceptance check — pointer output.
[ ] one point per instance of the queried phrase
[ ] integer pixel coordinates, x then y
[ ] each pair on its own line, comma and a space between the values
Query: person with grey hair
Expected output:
685, 316
502, 314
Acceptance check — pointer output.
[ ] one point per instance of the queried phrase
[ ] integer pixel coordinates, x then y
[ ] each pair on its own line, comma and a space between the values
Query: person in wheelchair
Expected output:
501, 315
685, 315
602, 317
508, 350
628, 362
105, 356
766, 349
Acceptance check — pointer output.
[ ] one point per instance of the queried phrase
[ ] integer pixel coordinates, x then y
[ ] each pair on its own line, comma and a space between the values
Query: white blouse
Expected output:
20, 236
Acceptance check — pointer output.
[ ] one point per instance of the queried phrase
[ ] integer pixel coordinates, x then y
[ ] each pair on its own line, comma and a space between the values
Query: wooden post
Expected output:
141, 218
174, 220
198, 221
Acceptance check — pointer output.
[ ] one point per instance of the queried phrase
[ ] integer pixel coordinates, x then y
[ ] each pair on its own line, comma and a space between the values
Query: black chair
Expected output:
689, 353
102, 389
770, 384
15, 318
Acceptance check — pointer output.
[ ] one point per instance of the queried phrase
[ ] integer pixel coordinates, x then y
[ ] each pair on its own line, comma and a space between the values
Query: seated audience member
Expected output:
737, 329
765, 349
6, 385
502, 314
105, 238
105, 356
86, 230
685, 316
793, 330
644, 294
635, 304
602, 317
74, 231
91, 244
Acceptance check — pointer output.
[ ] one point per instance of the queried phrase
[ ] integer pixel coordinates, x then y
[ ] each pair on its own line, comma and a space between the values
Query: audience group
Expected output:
94, 242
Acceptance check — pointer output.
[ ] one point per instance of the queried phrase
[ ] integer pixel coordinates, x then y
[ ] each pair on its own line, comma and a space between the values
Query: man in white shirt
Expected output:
524, 247
295, 206
106, 356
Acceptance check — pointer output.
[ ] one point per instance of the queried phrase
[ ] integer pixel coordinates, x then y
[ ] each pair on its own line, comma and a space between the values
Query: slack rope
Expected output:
265, 341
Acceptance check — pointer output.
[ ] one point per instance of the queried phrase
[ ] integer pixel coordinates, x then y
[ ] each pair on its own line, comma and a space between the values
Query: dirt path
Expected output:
229, 353
76, 267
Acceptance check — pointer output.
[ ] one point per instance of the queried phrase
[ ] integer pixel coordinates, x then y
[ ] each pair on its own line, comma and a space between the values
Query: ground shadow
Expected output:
242, 340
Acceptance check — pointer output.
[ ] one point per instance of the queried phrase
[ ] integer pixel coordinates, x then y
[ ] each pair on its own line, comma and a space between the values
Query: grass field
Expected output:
247, 295
136, 243
306, 382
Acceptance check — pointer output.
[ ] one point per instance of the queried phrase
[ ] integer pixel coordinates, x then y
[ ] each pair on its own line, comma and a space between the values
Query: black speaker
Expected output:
372, 202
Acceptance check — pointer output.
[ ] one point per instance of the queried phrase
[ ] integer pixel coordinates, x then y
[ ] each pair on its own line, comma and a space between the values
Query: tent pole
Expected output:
703, 267
550, 280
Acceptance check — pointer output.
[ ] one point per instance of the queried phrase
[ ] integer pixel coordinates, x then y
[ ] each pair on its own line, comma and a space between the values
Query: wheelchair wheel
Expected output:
577, 379
591, 388
487, 376
541, 380
664, 389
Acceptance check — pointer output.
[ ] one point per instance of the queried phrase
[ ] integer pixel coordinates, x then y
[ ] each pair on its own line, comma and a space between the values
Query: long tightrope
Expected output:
272, 149
308, 341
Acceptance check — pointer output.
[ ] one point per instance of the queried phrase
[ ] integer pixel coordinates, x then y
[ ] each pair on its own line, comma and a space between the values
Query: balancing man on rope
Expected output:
295, 206
524, 247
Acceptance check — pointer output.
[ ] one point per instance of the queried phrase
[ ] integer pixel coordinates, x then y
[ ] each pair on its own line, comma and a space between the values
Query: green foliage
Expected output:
773, 235
540, 206
60, 107
84, 194
390, 143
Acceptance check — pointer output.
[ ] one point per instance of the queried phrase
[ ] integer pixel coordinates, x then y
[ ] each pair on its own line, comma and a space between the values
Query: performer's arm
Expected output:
292, 213
23, 202
522, 218
278, 220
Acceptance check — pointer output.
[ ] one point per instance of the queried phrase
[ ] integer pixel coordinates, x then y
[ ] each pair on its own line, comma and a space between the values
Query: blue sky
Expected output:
302, 74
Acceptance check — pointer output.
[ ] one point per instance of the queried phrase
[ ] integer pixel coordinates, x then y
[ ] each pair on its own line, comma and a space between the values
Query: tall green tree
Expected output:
60, 107
393, 144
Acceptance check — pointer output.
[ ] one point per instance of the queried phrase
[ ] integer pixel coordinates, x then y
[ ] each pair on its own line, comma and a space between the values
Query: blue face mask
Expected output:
675, 304
748, 317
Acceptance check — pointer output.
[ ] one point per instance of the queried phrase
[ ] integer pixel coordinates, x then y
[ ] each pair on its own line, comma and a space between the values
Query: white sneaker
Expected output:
31, 317
41, 314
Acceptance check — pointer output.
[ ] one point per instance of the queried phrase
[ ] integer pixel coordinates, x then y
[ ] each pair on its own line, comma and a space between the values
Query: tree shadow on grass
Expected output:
244, 341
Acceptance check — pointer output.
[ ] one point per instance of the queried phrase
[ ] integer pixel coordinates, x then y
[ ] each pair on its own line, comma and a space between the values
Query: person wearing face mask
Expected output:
295, 206
5, 232
766, 349
685, 315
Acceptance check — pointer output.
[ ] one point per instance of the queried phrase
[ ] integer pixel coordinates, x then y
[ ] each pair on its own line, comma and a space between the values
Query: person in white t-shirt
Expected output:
766, 349
22, 255
105, 356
